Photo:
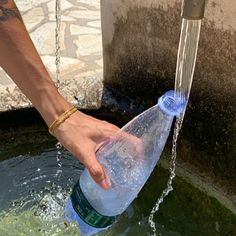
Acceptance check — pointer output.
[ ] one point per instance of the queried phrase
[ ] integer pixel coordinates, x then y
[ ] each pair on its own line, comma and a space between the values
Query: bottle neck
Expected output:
172, 104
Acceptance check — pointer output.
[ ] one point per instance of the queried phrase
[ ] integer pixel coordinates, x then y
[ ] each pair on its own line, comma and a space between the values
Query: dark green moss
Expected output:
187, 210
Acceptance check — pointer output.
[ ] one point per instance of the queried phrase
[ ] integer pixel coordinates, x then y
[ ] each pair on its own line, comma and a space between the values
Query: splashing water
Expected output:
33, 199
59, 154
186, 60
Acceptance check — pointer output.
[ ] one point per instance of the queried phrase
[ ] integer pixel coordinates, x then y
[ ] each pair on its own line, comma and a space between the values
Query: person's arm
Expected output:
80, 134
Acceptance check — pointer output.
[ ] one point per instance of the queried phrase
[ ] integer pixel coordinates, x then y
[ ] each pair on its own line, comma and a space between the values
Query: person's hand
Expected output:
82, 135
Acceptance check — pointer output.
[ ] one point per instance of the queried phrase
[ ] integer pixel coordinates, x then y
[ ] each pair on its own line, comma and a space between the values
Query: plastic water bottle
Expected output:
129, 158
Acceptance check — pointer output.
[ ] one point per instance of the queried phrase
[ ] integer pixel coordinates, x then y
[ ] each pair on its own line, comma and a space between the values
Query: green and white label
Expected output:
86, 212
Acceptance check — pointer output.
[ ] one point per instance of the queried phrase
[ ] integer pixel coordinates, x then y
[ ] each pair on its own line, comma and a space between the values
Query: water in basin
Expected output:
34, 187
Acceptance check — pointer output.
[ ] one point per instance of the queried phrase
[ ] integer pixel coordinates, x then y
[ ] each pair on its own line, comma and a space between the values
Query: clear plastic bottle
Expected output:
128, 158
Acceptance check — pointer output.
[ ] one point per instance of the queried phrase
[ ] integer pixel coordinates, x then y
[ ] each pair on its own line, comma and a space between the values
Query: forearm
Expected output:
19, 58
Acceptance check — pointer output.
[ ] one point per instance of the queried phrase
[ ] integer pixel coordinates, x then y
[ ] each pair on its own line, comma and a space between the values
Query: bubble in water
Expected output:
59, 154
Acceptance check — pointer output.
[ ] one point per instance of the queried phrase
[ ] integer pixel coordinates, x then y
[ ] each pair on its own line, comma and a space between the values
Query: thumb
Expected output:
96, 170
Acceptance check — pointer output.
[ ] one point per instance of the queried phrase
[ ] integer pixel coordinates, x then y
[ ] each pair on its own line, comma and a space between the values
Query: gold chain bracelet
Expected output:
65, 115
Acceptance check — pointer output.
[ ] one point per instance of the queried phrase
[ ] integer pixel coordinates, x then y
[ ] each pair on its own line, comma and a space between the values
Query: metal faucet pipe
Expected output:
193, 9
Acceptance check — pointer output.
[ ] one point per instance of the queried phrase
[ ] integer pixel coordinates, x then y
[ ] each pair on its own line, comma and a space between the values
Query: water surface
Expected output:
34, 189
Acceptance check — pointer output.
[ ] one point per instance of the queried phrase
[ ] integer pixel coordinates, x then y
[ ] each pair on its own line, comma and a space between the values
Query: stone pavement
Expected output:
81, 51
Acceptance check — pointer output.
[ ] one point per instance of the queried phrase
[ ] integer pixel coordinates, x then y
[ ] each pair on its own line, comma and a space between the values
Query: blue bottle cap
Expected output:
172, 103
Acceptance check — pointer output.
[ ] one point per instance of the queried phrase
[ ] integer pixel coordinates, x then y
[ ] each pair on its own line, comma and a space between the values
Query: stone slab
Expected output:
33, 17
81, 50
88, 45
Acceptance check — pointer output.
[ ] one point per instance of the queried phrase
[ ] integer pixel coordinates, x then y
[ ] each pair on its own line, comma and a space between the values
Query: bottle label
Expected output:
86, 212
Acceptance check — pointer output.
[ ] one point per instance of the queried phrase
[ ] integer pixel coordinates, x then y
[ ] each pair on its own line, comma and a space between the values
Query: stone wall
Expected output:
140, 42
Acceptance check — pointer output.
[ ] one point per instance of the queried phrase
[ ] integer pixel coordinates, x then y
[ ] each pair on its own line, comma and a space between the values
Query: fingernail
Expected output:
105, 184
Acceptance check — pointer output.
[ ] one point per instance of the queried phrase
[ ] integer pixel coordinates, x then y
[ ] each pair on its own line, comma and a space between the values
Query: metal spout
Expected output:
193, 9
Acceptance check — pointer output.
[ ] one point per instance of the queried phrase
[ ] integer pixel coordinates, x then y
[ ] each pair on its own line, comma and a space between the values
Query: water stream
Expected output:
57, 39
187, 54
186, 60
